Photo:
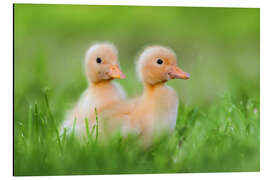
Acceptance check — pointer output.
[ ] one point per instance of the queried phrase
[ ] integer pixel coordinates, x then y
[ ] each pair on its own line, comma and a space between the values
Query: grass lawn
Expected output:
218, 123
221, 139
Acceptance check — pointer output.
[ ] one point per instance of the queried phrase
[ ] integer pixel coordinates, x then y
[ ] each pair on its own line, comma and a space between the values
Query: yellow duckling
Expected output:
155, 111
101, 67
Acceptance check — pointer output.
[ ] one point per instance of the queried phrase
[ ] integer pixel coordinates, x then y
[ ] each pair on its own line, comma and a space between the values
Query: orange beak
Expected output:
115, 72
177, 73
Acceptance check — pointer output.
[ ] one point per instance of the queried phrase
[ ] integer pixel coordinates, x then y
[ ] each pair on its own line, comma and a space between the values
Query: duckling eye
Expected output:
159, 61
99, 60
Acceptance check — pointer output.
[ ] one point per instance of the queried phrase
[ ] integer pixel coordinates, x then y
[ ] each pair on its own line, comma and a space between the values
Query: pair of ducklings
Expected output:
151, 113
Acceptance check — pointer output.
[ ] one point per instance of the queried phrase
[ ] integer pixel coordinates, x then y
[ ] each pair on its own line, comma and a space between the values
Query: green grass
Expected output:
218, 125
223, 139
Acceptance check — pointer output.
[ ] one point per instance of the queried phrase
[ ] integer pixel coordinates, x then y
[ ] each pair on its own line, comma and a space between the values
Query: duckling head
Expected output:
158, 64
101, 63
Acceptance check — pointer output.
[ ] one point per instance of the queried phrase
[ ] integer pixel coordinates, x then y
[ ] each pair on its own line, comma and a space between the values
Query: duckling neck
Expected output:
100, 83
101, 87
149, 89
103, 93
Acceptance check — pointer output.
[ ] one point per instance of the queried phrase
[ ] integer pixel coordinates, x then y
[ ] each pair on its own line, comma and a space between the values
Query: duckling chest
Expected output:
161, 110
105, 95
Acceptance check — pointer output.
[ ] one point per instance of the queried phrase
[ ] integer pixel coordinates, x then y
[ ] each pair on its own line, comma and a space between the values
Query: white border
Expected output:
6, 84
215, 3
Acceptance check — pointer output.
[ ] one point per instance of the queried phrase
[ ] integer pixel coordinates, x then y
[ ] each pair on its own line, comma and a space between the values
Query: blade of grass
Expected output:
73, 128
96, 124
30, 121
36, 110
21, 134
64, 136
93, 129
36, 120
87, 129
53, 121
43, 124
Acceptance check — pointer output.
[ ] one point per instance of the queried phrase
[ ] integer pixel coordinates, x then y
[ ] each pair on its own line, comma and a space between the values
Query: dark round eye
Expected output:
159, 61
98, 60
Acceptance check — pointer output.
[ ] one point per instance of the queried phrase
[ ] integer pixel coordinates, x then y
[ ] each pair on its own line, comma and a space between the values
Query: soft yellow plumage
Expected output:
101, 66
155, 111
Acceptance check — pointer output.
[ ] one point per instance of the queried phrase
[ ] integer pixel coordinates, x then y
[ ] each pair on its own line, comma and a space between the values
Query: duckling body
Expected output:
96, 96
155, 111
101, 68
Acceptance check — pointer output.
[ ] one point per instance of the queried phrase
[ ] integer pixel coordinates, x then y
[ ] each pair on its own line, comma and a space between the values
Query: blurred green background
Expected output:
219, 47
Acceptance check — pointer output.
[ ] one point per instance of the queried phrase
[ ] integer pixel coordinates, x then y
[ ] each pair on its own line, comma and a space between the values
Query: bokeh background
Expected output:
219, 47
